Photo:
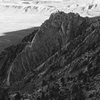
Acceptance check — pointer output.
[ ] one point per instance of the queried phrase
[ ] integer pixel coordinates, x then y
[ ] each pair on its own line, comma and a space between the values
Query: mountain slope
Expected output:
47, 41
60, 62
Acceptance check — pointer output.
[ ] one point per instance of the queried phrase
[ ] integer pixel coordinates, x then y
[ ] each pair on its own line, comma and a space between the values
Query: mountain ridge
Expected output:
59, 61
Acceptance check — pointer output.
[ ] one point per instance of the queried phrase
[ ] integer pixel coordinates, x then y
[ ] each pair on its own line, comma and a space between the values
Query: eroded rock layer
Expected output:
61, 61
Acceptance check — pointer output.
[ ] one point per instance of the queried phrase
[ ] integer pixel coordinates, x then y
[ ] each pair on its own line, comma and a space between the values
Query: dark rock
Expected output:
18, 96
8, 55
4, 94
60, 62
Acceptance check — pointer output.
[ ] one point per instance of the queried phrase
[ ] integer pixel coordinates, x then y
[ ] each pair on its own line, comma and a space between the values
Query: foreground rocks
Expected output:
59, 61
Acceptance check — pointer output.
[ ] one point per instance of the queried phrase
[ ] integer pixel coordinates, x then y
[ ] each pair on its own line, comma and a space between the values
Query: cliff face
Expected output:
50, 38
61, 62
9, 54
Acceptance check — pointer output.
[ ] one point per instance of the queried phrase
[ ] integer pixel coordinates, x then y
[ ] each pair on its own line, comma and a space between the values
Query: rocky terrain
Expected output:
58, 61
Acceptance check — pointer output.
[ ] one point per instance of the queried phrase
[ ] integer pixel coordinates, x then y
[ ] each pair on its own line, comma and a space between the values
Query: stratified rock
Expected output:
50, 38
8, 55
61, 62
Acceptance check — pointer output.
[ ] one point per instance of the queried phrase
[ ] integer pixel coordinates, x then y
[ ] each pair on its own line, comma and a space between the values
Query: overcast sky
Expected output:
51, 0
33, 0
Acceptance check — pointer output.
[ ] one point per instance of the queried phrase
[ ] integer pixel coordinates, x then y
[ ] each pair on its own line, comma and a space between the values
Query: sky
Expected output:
51, 0
33, 0
11, 21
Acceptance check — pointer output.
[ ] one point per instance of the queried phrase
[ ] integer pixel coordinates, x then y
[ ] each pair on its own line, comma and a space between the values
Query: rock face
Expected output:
10, 53
60, 62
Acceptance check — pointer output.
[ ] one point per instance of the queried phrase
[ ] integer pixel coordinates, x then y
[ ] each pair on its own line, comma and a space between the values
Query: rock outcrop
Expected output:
9, 54
61, 62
